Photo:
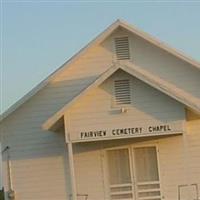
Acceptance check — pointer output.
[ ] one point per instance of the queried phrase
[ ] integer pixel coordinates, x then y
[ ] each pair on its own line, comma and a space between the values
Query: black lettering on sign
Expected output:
93, 134
127, 131
160, 128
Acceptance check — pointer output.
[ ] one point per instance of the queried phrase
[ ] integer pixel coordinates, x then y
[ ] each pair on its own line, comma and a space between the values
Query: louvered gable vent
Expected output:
122, 48
122, 92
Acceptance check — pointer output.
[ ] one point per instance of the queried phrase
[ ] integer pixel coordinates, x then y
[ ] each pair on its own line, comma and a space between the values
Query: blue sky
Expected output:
39, 36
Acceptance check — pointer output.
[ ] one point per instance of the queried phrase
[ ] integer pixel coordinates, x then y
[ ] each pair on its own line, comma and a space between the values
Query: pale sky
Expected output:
37, 37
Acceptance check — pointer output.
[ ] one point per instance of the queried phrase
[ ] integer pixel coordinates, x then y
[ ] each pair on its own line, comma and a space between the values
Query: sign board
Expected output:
127, 132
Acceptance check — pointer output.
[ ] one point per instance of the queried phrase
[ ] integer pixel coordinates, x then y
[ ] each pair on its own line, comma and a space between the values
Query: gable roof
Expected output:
97, 40
136, 71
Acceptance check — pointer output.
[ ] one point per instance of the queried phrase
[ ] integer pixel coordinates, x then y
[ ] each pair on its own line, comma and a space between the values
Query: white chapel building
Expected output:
120, 120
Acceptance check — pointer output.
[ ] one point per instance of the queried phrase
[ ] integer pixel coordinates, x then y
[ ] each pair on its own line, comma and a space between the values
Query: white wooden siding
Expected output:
94, 111
38, 157
89, 171
38, 160
193, 135
171, 159
97, 60
162, 64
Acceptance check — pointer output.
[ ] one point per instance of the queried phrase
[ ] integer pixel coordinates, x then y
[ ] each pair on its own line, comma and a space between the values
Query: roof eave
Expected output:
52, 120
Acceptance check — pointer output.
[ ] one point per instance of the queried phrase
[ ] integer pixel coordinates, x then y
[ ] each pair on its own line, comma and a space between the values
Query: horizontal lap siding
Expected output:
166, 66
37, 160
172, 163
193, 136
176, 167
94, 62
89, 172
38, 157
94, 111
163, 64
88, 164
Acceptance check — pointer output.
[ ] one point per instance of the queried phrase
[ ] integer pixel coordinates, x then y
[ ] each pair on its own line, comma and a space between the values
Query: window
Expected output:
146, 170
146, 164
122, 92
119, 166
122, 48
133, 173
119, 174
